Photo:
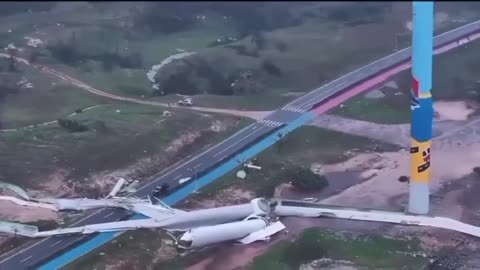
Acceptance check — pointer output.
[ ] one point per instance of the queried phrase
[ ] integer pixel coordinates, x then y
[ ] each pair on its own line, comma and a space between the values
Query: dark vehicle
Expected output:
160, 189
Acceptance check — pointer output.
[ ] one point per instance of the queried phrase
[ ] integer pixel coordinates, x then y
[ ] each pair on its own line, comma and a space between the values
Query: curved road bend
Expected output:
39, 251
86, 87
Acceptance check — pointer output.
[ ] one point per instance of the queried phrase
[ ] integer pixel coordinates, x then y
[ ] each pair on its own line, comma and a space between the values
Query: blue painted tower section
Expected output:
422, 107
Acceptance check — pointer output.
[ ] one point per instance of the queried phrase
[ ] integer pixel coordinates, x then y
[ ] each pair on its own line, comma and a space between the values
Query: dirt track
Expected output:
85, 86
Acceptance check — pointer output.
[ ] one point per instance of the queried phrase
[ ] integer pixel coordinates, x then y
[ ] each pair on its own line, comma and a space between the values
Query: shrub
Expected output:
305, 180
476, 170
271, 68
72, 125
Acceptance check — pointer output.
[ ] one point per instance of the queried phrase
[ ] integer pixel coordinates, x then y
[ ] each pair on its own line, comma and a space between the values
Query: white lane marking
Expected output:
237, 142
46, 239
56, 243
293, 109
109, 214
270, 123
176, 166
342, 84
26, 259
198, 165
178, 176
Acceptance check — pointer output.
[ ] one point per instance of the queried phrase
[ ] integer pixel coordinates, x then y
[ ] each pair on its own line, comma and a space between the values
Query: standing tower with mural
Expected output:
422, 107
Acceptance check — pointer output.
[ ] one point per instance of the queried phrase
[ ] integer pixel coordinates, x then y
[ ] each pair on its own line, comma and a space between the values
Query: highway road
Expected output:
37, 252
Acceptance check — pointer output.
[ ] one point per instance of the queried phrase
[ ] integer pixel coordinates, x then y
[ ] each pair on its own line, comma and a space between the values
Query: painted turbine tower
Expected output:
422, 107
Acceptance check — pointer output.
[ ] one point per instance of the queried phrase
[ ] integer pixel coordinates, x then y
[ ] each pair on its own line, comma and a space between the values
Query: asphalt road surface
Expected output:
39, 251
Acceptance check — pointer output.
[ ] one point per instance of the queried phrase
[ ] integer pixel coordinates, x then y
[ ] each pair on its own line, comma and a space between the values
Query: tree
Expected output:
165, 17
305, 180
271, 68
33, 57
258, 38
281, 46
11, 64
476, 170
66, 53
72, 125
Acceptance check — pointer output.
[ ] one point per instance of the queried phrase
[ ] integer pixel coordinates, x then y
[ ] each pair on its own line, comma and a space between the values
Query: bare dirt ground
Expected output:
453, 110
455, 153
16, 213
451, 117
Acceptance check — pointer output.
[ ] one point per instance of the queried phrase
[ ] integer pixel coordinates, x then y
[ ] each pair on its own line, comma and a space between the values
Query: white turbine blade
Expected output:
264, 234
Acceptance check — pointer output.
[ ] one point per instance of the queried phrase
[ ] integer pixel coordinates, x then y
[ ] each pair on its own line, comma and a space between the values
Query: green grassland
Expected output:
302, 147
366, 252
30, 108
46, 101
118, 135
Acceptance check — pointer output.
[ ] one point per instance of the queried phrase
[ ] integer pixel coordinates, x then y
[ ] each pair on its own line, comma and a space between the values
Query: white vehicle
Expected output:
186, 102
184, 180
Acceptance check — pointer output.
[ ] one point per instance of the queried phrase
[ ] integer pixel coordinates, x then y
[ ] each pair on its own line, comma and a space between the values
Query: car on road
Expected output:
160, 190
185, 102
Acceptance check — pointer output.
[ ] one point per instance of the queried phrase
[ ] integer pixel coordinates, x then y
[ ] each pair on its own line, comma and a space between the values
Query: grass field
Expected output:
369, 252
46, 101
119, 135
31, 107
122, 247
390, 109
303, 147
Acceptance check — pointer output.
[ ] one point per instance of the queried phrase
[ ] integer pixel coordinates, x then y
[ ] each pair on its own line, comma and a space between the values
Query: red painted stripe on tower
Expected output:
416, 86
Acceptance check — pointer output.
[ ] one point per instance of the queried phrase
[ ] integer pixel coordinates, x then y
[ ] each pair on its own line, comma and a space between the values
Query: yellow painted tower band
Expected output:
421, 169
425, 95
